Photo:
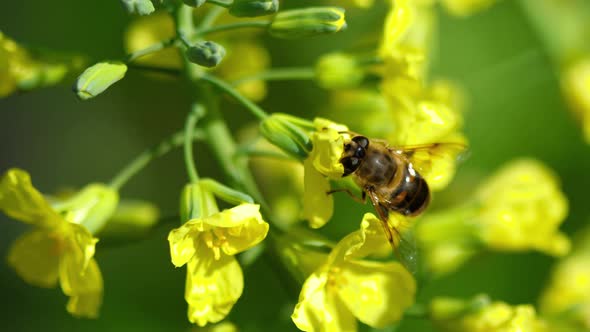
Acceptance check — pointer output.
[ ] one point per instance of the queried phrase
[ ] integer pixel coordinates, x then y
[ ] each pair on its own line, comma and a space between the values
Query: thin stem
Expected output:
220, 3
279, 74
197, 111
151, 49
141, 161
225, 87
233, 26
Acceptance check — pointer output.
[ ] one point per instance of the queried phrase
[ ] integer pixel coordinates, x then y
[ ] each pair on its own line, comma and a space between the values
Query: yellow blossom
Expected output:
575, 83
481, 315
567, 294
61, 247
323, 161
522, 208
408, 32
346, 288
207, 243
519, 208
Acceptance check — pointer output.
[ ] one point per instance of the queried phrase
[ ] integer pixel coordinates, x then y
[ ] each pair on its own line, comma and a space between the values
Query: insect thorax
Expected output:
378, 168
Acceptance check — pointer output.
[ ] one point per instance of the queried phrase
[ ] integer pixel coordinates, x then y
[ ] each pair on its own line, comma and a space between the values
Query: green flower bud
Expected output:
307, 22
92, 206
283, 133
97, 78
338, 70
196, 202
194, 3
206, 53
140, 7
252, 8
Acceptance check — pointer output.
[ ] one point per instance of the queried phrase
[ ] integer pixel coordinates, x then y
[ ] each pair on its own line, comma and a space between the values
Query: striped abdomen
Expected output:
409, 195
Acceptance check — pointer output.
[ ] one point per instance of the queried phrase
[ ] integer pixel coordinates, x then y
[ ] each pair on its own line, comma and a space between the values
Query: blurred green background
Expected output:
515, 109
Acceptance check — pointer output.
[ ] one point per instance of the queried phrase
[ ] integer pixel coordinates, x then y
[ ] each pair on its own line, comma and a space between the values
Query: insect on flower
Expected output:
394, 179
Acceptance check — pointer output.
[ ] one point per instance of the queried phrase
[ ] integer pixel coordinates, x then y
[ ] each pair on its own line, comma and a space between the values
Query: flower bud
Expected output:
338, 70
287, 136
307, 22
140, 7
92, 206
194, 3
196, 202
206, 53
253, 8
96, 79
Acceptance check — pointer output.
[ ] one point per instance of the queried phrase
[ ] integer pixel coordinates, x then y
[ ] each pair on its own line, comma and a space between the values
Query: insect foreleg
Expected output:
362, 199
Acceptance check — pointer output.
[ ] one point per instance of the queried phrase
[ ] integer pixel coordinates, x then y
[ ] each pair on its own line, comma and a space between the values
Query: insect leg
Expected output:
383, 216
362, 199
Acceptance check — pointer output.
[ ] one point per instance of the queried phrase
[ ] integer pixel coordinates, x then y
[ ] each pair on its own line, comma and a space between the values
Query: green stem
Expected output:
220, 3
141, 161
197, 111
225, 87
149, 50
281, 74
232, 26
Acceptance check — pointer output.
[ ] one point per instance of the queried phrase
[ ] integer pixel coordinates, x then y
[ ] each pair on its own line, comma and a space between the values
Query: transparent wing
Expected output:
397, 231
435, 162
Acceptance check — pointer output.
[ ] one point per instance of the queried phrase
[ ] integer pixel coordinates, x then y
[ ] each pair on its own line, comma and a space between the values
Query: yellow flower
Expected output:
519, 208
345, 287
522, 207
481, 315
323, 161
567, 295
207, 243
61, 247
575, 84
408, 32
466, 7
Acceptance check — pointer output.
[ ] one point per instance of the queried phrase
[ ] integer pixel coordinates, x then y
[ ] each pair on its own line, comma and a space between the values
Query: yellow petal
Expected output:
182, 244
376, 293
85, 305
84, 286
370, 239
80, 243
328, 145
212, 287
241, 227
20, 200
523, 207
318, 206
319, 309
75, 279
35, 257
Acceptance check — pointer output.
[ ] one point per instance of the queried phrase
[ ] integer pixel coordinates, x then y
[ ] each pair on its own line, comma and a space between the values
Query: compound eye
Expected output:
360, 152
350, 165
362, 141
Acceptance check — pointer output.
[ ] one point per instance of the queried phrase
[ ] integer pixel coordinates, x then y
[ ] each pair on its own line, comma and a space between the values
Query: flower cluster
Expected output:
386, 104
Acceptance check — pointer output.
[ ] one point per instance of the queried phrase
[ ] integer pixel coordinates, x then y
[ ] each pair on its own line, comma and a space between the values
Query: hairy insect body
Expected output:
386, 176
393, 180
